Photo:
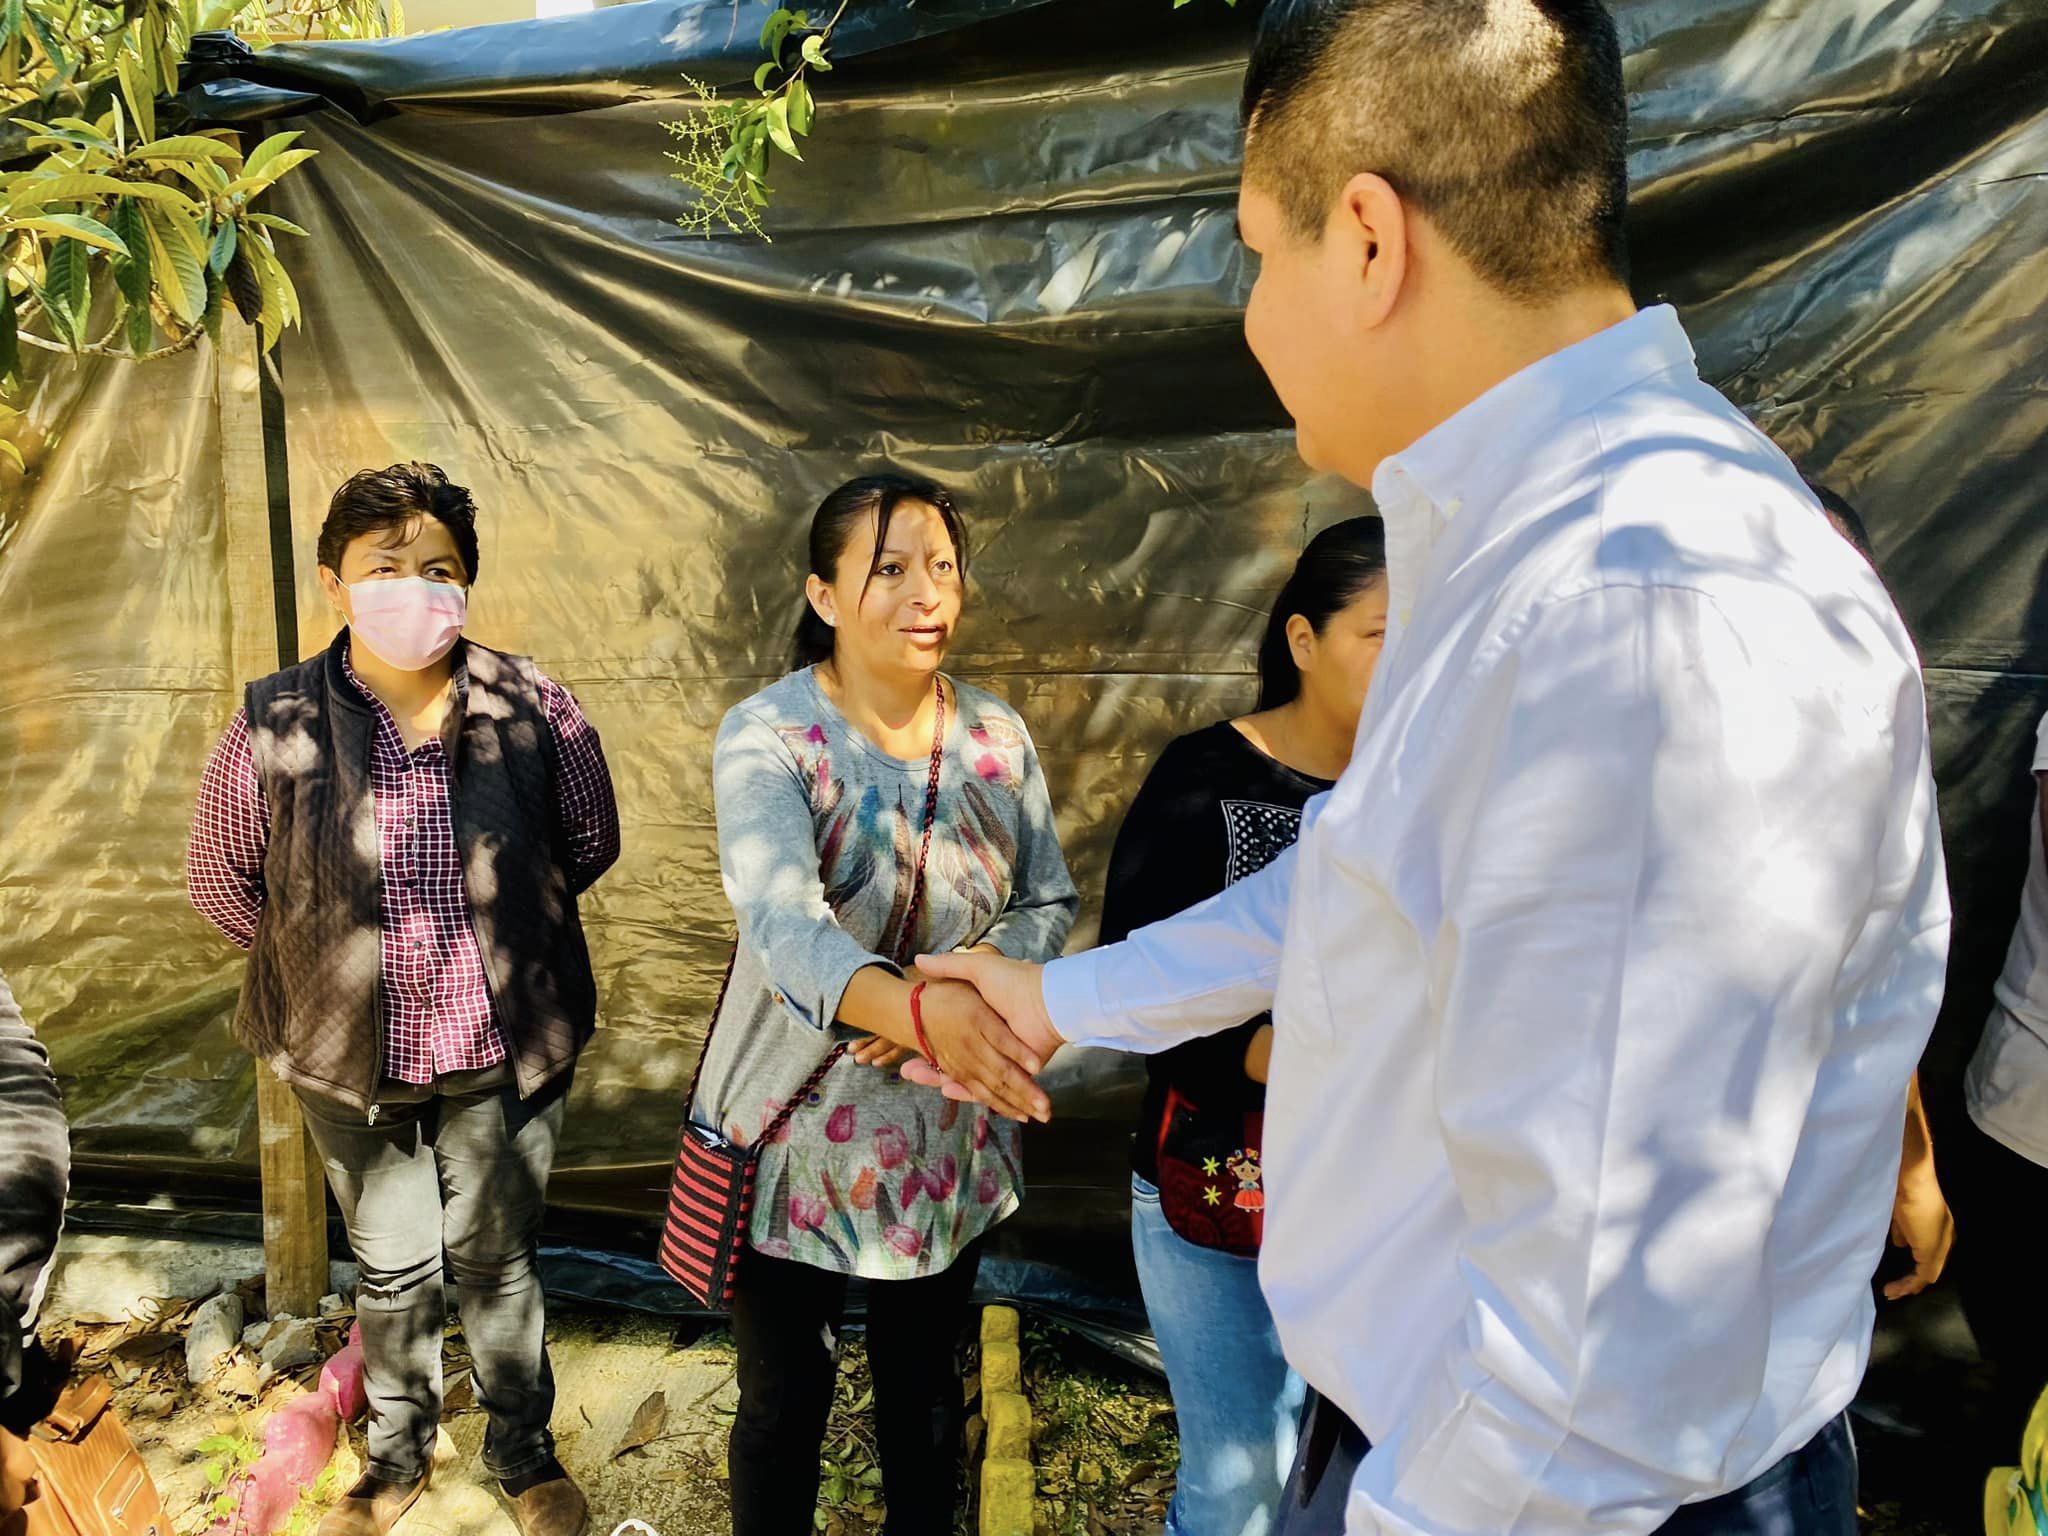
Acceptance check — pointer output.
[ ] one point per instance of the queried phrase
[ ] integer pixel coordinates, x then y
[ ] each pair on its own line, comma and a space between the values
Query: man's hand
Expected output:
979, 1056
1013, 990
1921, 1222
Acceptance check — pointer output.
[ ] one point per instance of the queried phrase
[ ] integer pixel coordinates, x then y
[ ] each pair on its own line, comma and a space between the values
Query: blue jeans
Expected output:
1811, 1492
1238, 1404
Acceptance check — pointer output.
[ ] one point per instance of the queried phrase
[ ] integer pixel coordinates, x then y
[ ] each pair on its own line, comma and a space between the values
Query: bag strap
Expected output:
904, 940
78, 1409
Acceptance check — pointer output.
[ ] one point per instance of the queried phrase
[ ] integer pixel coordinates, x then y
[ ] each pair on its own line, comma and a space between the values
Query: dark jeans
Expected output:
462, 1177
785, 1320
1996, 1193
1811, 1492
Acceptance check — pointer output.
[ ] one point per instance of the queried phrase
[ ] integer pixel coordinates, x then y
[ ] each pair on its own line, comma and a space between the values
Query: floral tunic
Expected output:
817, 833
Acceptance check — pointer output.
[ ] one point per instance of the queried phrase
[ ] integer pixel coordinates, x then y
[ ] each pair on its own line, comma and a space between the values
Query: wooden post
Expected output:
294, 1189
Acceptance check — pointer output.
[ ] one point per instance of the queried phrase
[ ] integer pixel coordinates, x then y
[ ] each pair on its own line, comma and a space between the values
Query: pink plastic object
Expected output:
298, 1442
341, 1378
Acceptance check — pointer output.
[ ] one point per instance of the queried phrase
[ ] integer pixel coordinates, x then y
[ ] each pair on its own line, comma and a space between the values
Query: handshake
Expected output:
985, 1033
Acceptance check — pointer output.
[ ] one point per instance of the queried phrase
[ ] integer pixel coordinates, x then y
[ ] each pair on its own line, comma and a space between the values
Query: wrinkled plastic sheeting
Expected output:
1007, 261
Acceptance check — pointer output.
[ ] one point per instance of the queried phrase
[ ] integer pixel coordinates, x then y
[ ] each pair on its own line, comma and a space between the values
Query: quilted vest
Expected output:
310, 998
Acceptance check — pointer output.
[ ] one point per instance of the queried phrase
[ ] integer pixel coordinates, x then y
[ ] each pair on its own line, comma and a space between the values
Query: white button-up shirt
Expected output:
1599, 976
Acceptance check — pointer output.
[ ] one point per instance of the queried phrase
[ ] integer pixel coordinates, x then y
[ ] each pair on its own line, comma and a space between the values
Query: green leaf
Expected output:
214, 1445
78, 227
132, 275
216, 1473
206, 175
801, 112
35, 191
216, 294
140, 330
814, 52
223, 250
270, 149
10, 21
67, 287
10, 343
140, 91
185, 146
761, 76
157, 192
41, 137
776, 28
272, 221
778, 127
249, 185
52, 48
177, 272
280, 298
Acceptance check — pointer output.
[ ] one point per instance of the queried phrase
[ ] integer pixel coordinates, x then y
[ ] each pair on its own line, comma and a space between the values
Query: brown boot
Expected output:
372, 1508
553, 1508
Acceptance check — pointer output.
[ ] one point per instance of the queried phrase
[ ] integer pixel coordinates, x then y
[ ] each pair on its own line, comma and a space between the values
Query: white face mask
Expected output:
408, 622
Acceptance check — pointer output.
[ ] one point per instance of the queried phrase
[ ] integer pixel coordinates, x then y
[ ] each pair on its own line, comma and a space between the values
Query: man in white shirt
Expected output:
1599, 977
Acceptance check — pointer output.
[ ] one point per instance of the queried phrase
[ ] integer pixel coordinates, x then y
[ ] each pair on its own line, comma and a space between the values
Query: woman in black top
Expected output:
1220, 804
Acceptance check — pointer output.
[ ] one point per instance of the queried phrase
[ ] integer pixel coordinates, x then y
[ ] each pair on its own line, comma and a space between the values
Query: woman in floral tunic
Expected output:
822, 782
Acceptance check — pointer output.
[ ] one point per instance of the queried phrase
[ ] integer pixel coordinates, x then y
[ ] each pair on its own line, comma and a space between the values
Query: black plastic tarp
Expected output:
1008, 262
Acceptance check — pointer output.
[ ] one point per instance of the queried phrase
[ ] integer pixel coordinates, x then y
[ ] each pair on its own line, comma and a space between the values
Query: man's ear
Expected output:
1370, 224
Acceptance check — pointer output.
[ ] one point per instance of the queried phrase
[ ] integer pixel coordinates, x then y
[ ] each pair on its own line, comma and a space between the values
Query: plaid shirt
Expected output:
438, 1016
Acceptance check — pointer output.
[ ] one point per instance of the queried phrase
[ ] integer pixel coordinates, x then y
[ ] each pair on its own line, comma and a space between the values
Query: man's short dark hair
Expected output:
1504, 122
373, 500
1845, 521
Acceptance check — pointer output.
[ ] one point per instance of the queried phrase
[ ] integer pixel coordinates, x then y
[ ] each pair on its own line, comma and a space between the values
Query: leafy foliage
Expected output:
724, 142
228, 1457
119, 236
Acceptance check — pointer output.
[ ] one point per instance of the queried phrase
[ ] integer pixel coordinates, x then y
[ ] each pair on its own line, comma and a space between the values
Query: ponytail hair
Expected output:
1332, 574
839, 516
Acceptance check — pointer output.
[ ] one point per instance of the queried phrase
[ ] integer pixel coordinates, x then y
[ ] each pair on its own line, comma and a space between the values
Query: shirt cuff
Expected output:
1073, 997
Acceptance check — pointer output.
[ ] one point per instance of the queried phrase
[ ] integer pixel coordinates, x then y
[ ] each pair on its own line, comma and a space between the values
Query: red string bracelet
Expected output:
924, 1044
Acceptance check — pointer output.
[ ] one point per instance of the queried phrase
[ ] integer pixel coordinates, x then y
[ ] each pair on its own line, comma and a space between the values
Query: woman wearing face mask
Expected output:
1219, 805
397, 831
870, 809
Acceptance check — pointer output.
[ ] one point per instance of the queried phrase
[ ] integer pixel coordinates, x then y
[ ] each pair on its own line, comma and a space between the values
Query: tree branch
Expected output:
101, 349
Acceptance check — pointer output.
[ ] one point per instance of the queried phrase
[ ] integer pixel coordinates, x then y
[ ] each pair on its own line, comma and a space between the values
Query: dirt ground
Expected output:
643, 1408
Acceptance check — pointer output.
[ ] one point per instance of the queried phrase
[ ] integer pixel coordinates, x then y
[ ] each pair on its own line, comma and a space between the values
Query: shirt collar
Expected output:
1471, 459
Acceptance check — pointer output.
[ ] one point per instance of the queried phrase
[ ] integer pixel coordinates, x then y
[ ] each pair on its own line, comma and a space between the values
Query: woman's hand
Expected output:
877, 1052
1258, 1054
976, 1049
